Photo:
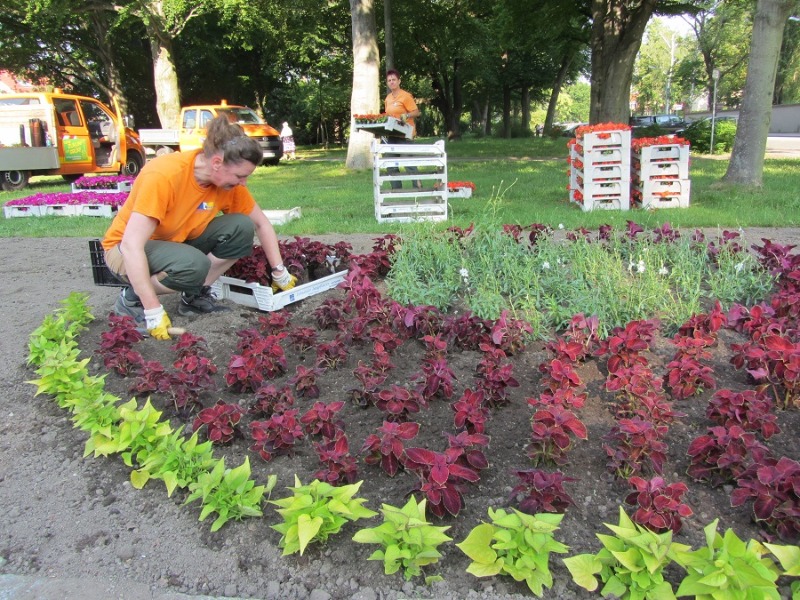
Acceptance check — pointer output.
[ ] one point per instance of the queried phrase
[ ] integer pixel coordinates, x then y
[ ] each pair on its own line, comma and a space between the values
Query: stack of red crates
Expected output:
600, 167
660, 172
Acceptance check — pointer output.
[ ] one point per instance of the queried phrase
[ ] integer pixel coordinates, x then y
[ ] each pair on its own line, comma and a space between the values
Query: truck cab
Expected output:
195, 119
62, 134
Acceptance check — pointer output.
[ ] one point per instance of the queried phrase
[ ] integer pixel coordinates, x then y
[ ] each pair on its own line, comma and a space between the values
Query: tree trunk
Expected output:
506, 111
553, 103
617, 30
747, 159
526, 109
454, 126
364, 98
165, 79
387, 34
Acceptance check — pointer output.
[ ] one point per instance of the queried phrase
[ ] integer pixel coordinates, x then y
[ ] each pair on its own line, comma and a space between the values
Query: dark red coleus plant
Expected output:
305, 381
322, 419
541, 491
276, 435
436, 379
552, 430
441, 479
387, 446
722, 455
339, 466
221, 421
774, 487
270, 399
659, 505
399, 402
470, 413
750, 409
635, 446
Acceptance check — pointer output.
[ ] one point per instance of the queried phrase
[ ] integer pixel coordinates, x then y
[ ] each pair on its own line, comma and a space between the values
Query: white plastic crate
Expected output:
663, 187
620, 202
602, 188
122, 186
60, 210
261, 297
281, 217
95, 210
659, 170
435, 149
428, 210
601, 172
603, 157
651, 202
604, 139
392, 126
22, 211
463, 192
672, 152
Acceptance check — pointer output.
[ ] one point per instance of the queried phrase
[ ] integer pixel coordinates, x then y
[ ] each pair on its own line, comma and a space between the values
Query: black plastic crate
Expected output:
100, 272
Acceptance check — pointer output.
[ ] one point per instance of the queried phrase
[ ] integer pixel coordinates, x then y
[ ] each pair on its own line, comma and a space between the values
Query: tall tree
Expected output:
617, 30
366, 76
747, 159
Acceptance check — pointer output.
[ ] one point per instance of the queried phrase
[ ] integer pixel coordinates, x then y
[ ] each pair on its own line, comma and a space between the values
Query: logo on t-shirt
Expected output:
206, 206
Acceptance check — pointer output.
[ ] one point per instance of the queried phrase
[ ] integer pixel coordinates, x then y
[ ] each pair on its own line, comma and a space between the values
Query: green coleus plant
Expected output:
409, 542
515, 544
728, 567
63, 325
176, 461
230, 493
141, 433
630, 564
316, 511
789, 557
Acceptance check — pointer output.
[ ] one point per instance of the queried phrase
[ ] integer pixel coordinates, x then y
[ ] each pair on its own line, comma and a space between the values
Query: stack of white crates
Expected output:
661, 175
428, 203
600, 170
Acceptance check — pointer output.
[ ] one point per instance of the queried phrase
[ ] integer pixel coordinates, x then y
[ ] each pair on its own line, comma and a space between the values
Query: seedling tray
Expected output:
261, 297
391, 127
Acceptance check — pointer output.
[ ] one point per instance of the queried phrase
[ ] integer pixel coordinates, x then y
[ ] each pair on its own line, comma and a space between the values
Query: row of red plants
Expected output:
730, 453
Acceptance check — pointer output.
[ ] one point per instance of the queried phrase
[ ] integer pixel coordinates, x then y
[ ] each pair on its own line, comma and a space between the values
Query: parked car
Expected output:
706, 122
669, 123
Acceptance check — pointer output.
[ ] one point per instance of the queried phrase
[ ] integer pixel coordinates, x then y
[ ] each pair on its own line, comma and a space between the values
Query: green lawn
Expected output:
522, 181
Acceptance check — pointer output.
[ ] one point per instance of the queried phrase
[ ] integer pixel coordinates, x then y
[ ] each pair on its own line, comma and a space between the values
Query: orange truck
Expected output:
194, 120
52, 133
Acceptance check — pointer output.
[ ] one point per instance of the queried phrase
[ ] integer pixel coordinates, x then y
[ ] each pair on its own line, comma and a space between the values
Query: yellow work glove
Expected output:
157, 322
282, 280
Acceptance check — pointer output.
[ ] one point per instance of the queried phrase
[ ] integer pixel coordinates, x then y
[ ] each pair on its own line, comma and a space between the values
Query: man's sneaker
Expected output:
130, 308
199, 304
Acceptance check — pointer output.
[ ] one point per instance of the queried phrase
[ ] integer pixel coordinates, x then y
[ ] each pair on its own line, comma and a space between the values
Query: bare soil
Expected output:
69, 516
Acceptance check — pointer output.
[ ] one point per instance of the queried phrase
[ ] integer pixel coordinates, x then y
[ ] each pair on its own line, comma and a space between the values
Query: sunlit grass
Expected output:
527, 177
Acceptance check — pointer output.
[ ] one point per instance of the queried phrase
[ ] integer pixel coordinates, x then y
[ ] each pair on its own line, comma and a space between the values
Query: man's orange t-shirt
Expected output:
396, 106
167, 191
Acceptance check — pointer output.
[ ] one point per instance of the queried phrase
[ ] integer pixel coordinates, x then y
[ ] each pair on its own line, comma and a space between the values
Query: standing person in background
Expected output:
287, 136
169, 236
400, 105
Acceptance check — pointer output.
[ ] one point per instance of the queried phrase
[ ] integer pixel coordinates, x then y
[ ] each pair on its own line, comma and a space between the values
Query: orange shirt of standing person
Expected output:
399, 103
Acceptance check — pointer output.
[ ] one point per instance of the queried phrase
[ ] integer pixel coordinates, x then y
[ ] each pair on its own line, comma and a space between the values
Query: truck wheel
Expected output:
133, 165
72, 178
272, 162
162, 150
11, 181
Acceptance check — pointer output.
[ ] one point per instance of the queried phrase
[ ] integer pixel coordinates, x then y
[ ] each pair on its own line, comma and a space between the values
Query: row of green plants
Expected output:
620, 275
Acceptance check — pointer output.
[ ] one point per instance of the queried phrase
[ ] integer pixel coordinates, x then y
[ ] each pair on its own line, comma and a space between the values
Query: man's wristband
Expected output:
279, 267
